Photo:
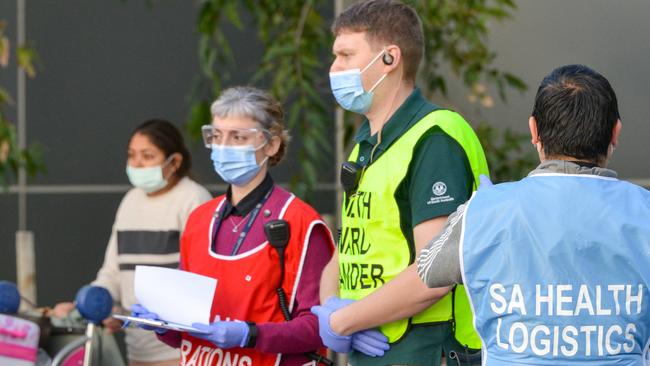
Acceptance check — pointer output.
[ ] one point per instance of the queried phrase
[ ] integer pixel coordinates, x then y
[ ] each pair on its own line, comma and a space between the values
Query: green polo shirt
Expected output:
438, 160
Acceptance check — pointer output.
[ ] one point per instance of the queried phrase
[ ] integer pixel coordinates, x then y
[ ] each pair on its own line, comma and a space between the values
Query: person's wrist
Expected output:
338, 324
251, 337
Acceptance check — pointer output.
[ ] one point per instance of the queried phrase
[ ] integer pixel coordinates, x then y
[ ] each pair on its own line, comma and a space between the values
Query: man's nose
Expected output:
336, 66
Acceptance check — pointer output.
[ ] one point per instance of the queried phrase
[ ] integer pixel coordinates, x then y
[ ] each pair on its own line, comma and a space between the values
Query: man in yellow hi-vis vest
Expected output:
412, 165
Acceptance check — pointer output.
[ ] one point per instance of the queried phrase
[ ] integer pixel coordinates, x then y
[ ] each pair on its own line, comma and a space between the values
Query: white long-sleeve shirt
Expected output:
146, 231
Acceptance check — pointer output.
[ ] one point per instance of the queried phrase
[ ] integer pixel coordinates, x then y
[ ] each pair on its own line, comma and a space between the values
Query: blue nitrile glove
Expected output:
335, 302
224, 335
370, 341
140, 311
485, 181
334, 341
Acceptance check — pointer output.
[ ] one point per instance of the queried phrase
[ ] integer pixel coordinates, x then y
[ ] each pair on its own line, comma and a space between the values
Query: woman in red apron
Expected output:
225, 238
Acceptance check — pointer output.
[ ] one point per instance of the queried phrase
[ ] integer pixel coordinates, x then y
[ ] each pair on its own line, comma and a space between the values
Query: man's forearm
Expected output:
329, 281
400, 298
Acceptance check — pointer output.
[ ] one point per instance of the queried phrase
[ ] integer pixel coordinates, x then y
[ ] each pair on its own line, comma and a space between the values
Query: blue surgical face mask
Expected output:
236, 165
149, 179
348, 89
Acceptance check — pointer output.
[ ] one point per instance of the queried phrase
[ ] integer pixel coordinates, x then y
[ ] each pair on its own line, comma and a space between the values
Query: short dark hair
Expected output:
576, 111
387, 21
167, 138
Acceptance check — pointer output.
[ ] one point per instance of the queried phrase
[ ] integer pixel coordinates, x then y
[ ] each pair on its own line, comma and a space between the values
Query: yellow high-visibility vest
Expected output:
373, 249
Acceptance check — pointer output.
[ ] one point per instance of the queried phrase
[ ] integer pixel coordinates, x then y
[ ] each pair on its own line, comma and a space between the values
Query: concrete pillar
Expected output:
26, 265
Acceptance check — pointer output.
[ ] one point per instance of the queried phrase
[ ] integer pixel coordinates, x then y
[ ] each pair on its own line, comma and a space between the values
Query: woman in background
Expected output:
148, 226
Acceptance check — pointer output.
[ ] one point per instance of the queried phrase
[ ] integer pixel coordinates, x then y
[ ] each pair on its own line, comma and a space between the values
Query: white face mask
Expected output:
149, 179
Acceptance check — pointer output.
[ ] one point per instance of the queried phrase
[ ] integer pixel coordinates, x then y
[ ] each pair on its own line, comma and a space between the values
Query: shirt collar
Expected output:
411, 111
247, 203
570, 167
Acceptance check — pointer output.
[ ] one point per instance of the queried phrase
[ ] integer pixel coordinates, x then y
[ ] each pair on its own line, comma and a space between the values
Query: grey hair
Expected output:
247, 101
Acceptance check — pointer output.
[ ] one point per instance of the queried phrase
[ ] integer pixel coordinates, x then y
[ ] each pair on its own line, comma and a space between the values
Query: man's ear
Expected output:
616, 131
532, 125
534, 138
392, 58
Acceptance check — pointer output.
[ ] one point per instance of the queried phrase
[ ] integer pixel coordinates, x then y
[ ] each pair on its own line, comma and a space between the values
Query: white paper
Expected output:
174, 295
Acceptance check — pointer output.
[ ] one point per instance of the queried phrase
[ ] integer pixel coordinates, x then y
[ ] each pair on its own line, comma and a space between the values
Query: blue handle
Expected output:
9, 298
94, 303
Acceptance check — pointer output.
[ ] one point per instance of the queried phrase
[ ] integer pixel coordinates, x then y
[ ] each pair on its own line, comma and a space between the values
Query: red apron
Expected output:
246, 282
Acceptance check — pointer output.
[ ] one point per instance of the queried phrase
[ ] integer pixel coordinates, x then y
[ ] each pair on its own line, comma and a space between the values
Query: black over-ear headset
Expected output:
388, 59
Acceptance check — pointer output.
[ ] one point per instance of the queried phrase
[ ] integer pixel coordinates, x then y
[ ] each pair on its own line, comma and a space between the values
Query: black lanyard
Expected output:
219, 216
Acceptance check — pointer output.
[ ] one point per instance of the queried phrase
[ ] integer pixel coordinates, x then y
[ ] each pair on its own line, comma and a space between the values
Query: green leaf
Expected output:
208, 18
5, 97
12, 158
515, 81
233, 16
199, 115
507, 158
4, 50
27, 58
33, 160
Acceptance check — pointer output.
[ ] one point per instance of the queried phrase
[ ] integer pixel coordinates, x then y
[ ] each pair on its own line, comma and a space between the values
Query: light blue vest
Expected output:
557, 269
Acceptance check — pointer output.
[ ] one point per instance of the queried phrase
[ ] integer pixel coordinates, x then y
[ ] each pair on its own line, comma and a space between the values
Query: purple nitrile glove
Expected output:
370, 341
485, 181
224, 334
140, 311
334, 341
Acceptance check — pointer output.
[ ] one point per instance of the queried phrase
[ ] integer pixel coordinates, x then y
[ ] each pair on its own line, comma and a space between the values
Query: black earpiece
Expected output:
388, 59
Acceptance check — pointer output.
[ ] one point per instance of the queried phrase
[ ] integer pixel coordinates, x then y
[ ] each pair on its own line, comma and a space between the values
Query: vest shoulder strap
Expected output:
426, 121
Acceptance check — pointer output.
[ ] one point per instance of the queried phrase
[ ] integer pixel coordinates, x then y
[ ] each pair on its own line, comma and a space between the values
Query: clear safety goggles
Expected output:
225, 136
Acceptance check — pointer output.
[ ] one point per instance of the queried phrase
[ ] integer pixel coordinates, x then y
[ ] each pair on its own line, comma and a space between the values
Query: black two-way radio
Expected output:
350, 175
278, 234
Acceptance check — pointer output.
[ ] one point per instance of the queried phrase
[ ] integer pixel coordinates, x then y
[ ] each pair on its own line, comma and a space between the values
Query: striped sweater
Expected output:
146, 231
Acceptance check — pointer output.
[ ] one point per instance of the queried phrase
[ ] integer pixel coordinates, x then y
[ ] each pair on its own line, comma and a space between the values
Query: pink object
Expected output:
15, 333
76, 358
17, 352
18, 341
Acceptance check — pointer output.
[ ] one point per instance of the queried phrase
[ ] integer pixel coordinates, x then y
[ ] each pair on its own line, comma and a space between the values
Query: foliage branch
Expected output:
12, 157
295, 37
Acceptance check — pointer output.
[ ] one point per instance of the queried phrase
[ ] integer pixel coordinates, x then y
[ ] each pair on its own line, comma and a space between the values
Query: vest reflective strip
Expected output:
303, 255
244, 254
373, 248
